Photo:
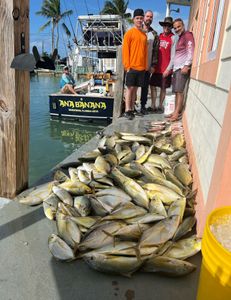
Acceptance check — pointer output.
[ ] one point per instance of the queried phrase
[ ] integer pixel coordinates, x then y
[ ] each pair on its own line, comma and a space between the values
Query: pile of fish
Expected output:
160, 126
126, 206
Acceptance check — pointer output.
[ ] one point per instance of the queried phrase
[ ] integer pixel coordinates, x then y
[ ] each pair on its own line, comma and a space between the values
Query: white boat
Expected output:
100, 38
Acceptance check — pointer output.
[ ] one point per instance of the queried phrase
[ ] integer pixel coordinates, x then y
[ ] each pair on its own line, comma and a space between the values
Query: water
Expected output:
51, 141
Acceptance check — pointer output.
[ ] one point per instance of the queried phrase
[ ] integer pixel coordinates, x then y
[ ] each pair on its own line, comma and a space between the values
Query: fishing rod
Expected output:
72, 28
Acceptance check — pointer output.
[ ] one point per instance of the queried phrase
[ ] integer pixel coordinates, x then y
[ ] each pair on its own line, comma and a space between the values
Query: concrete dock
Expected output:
28, 271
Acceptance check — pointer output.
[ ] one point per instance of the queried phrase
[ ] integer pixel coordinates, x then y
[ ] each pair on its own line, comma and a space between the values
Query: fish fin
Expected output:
192, 194
175, 245
75, 249
93, 190
137, 250
108, 233
140, 230
114, 241
116, 206
91, 175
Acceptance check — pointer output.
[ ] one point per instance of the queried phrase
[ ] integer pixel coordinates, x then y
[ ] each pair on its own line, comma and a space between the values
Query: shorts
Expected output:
179, 81
135, 78
158, 80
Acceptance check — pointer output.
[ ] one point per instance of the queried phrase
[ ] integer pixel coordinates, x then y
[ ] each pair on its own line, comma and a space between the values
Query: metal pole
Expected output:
168, 10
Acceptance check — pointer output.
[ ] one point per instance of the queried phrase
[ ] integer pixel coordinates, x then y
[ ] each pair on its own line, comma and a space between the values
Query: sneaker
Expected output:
143, 111
137, 113
128, 115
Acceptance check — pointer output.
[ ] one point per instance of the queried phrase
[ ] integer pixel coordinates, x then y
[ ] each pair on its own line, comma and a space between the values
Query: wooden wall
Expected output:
14, 99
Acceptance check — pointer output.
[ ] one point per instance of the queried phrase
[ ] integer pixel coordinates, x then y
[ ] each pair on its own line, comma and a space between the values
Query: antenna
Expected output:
74, 39
86, 6
99, 7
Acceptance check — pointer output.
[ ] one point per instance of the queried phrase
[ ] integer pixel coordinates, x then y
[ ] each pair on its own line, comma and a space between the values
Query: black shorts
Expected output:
157, 79
135, 78
179, 81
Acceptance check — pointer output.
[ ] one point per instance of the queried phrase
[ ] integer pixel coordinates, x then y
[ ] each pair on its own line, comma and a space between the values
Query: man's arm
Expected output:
72, 79
190, 45
126, 51
173, 51
155, 50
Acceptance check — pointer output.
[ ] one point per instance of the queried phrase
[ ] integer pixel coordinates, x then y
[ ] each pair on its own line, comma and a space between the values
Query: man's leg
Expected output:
144, 90
130, 102
134, 94
178, 106
71, 89
129, 98
153, 96
175, 82
162, 97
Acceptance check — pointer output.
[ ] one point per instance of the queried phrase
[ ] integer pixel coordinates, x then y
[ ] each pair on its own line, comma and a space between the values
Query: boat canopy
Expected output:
101, 34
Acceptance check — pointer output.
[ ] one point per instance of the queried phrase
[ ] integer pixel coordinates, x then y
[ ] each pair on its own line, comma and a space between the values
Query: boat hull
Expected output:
81, 106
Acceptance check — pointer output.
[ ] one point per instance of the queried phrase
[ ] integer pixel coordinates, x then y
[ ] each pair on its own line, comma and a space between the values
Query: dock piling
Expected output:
14, 93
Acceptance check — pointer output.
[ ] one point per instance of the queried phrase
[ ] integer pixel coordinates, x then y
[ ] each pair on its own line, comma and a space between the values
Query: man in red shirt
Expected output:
166, 40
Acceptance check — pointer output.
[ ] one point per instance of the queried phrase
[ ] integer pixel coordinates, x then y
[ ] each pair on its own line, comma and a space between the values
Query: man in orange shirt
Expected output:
135, 60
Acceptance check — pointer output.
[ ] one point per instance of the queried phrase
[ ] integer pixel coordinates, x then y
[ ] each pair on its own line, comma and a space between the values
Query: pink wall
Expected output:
205, 71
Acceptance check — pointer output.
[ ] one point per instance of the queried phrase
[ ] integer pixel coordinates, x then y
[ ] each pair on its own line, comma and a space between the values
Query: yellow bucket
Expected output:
215, 274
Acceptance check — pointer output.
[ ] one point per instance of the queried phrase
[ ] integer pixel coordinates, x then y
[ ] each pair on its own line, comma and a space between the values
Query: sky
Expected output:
83, 7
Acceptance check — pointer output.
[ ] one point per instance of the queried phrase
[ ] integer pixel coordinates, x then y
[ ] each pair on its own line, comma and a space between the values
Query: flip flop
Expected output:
151, 110
160, 110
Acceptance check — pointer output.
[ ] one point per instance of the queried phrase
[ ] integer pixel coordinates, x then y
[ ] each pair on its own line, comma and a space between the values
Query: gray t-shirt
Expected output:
150, 38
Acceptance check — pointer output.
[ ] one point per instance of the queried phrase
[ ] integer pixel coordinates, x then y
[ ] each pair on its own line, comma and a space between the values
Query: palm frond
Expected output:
51, 10
66, 30
45, 26
67, 13
116, 7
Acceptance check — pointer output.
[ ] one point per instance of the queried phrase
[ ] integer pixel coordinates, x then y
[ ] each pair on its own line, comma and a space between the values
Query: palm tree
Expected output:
116, 7
51, 9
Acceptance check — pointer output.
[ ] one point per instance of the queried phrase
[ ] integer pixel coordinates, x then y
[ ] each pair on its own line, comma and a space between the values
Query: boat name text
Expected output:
82, 104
